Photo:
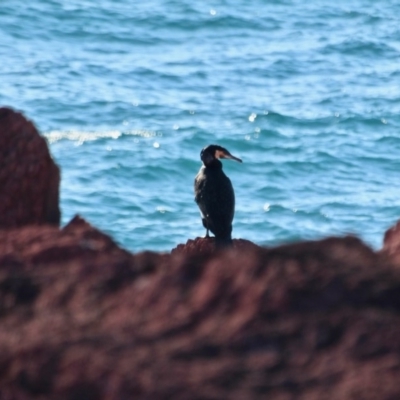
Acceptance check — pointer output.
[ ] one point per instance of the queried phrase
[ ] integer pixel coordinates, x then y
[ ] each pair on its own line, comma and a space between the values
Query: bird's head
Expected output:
214, 152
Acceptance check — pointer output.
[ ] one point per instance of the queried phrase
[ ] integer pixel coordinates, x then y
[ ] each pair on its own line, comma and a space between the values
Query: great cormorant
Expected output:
214, 194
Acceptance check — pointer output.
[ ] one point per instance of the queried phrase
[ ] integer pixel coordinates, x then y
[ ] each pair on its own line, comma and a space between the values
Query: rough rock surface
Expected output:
29, 178
81, 318
391, 242
207, 245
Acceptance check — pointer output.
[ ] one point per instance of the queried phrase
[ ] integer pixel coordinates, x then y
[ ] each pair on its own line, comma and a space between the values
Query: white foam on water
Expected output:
82, 136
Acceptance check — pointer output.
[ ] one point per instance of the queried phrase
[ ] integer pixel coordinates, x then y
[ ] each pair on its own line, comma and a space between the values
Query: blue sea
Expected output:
127, 94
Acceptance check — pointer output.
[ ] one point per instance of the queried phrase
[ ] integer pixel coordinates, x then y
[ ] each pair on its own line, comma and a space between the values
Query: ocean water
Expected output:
127, 94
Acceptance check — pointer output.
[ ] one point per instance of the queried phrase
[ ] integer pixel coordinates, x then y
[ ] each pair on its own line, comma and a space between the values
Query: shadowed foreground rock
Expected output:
82, 319
29, 178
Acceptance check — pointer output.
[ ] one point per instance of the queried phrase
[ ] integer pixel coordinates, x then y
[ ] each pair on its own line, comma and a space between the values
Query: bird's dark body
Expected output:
216, 199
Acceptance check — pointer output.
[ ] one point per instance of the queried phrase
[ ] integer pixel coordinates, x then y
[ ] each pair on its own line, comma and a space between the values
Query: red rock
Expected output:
207, 245
29, 178
82, 318
391, 241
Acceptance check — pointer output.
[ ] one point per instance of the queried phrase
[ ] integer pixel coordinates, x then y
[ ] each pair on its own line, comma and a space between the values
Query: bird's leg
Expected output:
205, 224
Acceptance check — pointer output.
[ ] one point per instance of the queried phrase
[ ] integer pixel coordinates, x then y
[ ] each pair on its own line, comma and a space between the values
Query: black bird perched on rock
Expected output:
214, 194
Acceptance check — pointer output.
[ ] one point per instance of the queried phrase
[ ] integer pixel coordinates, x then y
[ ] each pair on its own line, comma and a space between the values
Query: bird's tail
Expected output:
223, 241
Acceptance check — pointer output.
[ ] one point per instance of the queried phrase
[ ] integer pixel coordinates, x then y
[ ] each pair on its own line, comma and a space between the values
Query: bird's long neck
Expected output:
214, 164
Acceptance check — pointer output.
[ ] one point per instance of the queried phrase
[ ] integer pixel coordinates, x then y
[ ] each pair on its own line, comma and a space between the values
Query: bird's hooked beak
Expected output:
226, 154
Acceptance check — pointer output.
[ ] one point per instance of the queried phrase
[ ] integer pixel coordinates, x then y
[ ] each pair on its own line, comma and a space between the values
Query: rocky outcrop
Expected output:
82, 318
207, 245
391, 243
29, 178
